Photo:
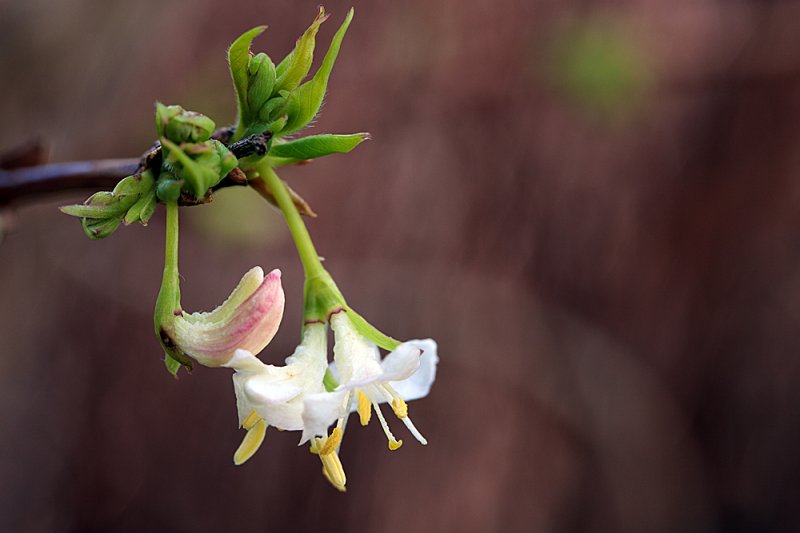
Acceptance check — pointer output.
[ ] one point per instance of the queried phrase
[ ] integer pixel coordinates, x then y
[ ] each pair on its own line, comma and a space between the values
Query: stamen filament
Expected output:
393, 442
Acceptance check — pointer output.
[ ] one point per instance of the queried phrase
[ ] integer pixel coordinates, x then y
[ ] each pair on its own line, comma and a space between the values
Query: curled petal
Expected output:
401, 363
247, 320
418, 385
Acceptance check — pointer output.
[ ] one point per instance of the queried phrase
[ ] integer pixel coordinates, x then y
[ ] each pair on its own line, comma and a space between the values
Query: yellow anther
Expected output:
395, 444
333, 471
332, 442
400, 407
251, 420
364, 408
251, 442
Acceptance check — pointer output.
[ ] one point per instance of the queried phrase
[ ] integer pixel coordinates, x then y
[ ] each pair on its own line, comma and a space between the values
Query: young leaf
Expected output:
305, 101
317, 146
298, 62
239, 60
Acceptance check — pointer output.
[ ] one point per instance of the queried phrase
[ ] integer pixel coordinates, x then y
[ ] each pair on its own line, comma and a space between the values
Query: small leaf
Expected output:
305, 101
238, 60
317, 146
298, 62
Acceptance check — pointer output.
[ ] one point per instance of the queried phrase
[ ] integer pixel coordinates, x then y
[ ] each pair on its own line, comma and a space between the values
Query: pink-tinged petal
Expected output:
320, 411
418, 385
240, 323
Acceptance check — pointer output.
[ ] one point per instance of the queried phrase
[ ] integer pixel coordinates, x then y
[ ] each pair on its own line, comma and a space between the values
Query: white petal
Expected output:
402, 362
419, 384
243, 360
263, 389
356, 358
320, 411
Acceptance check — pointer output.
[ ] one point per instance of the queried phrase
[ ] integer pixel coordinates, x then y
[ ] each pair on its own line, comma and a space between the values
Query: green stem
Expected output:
169, 296
305, 247
170, 282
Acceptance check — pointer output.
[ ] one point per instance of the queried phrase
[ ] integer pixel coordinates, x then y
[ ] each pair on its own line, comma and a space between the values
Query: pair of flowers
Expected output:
306, 394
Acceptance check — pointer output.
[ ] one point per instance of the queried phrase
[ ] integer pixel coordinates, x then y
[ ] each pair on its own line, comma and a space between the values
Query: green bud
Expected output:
190, 127
260, 82
168, 188
296, 65
239, 61
272, 110
97, 228
179, 125
163, 115
201, 165
143, 209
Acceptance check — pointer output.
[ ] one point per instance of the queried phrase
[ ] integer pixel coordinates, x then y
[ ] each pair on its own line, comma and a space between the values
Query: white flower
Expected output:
366, 381
269, 395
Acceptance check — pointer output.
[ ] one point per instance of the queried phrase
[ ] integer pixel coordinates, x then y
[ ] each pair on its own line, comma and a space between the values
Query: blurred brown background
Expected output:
592, 206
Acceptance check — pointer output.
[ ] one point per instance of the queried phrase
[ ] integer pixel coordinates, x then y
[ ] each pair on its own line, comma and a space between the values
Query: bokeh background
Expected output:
593, 206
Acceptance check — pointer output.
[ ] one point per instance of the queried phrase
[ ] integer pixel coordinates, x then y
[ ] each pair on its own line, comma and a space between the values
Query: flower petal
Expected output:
402, 362
357, 360
418, 385
320, 411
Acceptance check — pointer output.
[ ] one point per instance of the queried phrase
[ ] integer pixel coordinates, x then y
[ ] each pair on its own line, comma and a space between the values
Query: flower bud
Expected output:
179, 125
247, 320
260, 81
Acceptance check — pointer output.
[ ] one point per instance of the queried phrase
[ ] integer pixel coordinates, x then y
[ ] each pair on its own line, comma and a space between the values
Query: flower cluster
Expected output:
309, 393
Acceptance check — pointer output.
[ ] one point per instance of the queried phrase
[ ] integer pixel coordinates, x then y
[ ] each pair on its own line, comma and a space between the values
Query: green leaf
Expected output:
239, 60
298, 62
317, 146
305, 101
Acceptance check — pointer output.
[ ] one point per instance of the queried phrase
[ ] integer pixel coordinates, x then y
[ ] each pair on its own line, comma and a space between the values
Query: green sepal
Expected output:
370, 332
305, 101
321, 297
238, 60
317, 146
173, 365
296, 65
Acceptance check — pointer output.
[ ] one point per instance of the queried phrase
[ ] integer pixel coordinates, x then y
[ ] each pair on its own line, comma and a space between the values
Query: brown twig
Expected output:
26, 181
23, 182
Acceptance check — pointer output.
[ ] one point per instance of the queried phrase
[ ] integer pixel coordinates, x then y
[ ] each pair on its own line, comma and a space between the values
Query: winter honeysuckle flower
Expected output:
269, 395
246, 321
366, 381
